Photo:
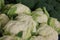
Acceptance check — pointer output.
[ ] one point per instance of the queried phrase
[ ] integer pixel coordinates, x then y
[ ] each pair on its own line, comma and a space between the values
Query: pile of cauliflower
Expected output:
20, 23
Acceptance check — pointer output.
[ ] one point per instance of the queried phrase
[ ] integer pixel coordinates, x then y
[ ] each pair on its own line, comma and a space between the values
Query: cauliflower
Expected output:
54, 23
18, 9
10, 38
24, 23
3, 19
44, 30
39, 16
27, 25
47, 32
8, 26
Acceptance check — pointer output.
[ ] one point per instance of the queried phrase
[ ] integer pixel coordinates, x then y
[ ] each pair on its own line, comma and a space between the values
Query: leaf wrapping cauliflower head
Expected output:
24, 23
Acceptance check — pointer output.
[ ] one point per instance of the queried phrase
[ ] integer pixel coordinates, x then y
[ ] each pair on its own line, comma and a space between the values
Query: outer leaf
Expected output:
11, 12
46, 12
1, 4
6, 8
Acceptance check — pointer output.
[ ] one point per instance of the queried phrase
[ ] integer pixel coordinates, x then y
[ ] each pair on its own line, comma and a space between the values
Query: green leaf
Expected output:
1, 4
20, 34
6, 8
52, 22
46, 12
34, 15
11, 12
